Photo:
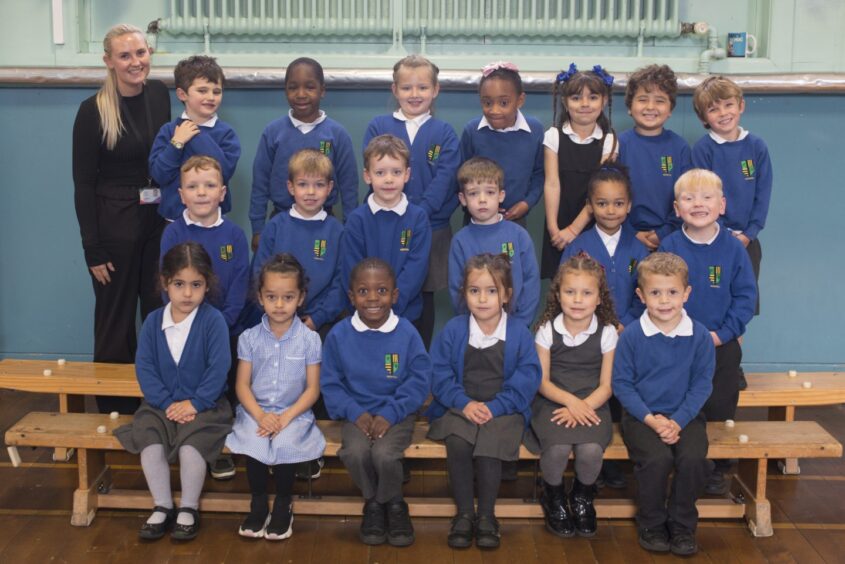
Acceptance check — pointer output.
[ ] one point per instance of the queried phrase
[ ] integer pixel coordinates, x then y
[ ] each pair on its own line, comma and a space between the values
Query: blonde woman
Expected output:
115, 197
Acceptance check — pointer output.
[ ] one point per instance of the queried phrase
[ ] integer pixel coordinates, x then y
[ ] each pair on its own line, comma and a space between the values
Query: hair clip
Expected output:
603, 75
487, 70
566, 75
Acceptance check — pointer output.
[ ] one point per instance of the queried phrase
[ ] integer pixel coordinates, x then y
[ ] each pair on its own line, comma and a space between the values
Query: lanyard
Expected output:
146, 141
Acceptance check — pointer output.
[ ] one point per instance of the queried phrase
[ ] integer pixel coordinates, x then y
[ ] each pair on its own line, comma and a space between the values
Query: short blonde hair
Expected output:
478, 169
201, 162
710, 91
388, 145
310, 162
697, 178
664, 264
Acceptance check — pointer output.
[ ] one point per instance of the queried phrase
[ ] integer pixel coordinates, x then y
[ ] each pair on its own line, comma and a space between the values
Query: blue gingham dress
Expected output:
278, 380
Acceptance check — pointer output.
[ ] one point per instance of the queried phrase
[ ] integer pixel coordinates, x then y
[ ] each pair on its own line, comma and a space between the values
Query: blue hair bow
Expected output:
603, 75
566, 75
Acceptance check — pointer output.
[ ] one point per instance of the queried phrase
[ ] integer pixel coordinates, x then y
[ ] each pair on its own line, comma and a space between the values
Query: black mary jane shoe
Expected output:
186, 532
155, 532
461, 531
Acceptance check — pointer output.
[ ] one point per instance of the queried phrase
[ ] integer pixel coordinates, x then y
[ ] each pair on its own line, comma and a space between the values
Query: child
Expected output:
485, 374
655, 156
274, 426
305, 127
376, 375
662, 375
580, 140
575, 341
482, 192
388, 226
724, 291
612, 241
506, 136
434, 159
181, 364
741, 159
199, 85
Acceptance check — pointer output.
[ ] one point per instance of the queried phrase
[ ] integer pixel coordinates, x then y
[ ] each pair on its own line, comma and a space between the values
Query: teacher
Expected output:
116, 200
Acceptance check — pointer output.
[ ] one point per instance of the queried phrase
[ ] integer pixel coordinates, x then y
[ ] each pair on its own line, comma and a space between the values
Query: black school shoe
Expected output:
556, 511
612, 475
583, 512
682, 541
717, 484
280, 526
655, 540
223, 468
256, 521
487, 532
310, 470
400, 531
186, 532
373, 529
155, 532
460, 533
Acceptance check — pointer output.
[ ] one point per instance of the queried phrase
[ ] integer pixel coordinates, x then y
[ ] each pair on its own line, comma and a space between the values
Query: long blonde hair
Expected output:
108, 97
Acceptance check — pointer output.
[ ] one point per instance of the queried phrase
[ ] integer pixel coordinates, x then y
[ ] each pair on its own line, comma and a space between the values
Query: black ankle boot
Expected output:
583, 512
556, 510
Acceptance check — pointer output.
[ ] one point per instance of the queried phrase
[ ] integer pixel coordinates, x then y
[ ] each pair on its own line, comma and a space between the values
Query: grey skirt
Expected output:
544, 433
498, 438
438, 260
206, 433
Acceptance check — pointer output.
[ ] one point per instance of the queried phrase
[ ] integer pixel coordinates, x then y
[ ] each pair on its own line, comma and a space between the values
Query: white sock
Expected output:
157, 518
185, 518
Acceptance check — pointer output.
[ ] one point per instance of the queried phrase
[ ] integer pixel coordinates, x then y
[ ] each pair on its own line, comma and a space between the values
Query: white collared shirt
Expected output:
610, 241
386, 327
521, 124
500, 218
708, 241
176, 333
304, 127
189, 221
319, 216
682, 329
210, 122
412, 125
398, 209
550, 138
477, 338
743, 133
609, 336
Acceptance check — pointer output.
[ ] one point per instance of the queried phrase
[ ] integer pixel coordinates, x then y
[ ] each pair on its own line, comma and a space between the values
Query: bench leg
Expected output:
751, 479
68, 404
94, 478
785, 413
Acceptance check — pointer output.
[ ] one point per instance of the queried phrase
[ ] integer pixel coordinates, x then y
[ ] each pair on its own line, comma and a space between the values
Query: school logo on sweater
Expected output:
747, 169
433, 152
405, 240
632, 266
391, 365
715, 276
507, 249
319, 249
666, 165
226, 252
326, 148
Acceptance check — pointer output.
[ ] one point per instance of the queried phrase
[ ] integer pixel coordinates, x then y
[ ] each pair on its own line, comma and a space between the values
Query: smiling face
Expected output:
415, 90
387, 175
700, 206
584, 108
201, 100
202, 191
610, 205
129, 58
579, 297
280, 297
373, 293
500, 102
664, 298
482, 199
310, 192
723, 117
304, 92
186, 291
650, 108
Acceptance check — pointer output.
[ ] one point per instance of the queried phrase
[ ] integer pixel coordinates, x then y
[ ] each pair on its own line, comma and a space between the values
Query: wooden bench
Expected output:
767, 439
777, 391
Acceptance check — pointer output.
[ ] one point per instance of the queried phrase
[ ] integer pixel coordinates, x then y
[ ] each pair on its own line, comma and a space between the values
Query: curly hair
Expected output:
499, 268
583, 262
660, 76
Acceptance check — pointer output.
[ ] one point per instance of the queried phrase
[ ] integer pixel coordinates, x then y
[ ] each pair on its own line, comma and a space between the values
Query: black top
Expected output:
484, 371
117, 173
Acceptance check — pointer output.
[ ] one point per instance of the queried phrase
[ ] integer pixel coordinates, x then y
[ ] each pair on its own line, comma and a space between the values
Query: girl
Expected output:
435, 158
579, 141
182, 360
485, 374
575, 341
376, 375
274, 426
305, 127
506, 136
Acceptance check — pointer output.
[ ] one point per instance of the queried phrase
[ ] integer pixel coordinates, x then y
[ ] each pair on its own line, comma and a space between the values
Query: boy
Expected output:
741, 160
724, 291
199, 85
482, 192
201, 190
655, 156
662, 375
388, 226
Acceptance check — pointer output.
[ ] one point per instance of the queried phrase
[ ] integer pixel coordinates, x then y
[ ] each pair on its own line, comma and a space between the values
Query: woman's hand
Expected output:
101, 272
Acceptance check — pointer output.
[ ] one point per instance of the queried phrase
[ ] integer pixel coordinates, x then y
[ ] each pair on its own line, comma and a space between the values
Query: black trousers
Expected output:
721, 405
654, 461
131, 233
755, 253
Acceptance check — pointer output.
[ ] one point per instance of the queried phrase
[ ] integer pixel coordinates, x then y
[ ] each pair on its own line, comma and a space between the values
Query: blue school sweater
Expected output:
660, 374
724, 293
387, 374
746, 172
404, 241
220, 142
522, 370
316, 245
655, 163
502, 237
226, 245
278, 143
200, 375
519, 153
435, 158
